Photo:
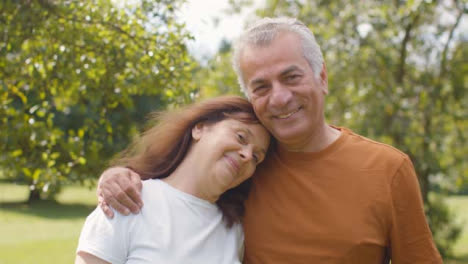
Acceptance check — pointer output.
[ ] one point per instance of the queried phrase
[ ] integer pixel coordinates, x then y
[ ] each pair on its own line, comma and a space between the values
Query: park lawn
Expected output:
459, 205
47, 232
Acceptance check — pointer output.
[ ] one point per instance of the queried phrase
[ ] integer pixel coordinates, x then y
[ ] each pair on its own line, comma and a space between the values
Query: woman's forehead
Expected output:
255, 130
241, 124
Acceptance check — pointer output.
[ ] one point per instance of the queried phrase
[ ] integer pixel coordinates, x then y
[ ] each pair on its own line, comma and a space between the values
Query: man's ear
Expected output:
324, 79
197, 131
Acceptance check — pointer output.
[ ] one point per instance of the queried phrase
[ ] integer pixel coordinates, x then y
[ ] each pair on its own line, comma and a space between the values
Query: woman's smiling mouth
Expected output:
234, 164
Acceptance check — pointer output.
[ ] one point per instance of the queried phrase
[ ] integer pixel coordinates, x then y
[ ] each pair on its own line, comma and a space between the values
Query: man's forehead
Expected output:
285, 70
282, 36
278, 50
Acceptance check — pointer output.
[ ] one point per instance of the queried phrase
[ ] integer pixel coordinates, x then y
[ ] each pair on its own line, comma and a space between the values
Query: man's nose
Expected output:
280, 95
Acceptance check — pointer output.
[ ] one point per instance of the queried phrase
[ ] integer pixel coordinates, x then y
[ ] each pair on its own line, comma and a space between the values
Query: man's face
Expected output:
287, 97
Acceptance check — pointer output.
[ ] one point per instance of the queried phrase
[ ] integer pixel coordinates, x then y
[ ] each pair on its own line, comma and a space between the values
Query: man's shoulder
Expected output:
372, 153
356, 140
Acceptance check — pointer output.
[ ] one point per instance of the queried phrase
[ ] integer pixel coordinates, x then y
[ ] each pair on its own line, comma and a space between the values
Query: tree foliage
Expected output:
76, 79
217, 77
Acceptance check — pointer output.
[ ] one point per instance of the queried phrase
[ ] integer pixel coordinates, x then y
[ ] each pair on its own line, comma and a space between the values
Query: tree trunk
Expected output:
34, 196
424, 182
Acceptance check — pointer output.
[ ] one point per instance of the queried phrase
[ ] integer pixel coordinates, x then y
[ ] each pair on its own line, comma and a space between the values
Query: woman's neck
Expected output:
194, 178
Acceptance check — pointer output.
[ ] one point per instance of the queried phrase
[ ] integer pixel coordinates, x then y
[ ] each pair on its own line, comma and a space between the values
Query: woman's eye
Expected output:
255, 158
241, 138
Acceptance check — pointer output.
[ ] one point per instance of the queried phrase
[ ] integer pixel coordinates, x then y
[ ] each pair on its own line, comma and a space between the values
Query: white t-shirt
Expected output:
173, 227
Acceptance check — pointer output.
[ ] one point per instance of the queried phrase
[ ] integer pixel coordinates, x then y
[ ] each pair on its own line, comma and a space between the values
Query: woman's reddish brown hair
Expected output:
158, 152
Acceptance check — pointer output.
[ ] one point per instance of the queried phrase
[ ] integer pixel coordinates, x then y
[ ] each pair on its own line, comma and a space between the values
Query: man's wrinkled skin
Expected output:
127, 187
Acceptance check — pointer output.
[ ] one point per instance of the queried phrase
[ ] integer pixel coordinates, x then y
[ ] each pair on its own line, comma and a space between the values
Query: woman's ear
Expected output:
197, 131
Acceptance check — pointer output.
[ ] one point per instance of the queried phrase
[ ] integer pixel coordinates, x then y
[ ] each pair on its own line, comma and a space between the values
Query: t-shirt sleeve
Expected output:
105, 238
410, 239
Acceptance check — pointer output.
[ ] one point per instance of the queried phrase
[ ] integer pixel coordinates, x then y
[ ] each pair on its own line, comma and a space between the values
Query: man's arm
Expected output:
119, 188
410, 237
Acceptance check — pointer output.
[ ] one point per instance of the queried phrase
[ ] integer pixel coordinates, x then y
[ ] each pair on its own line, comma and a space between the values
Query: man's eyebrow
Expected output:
257, 81
290, 69
282, 73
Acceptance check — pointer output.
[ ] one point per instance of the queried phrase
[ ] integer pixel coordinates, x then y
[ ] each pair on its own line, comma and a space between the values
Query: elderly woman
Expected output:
195, 161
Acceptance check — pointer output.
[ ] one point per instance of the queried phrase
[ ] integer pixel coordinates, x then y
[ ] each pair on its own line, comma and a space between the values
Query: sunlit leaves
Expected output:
77, 79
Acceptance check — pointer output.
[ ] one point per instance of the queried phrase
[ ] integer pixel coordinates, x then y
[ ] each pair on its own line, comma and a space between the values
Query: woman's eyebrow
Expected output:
251, 136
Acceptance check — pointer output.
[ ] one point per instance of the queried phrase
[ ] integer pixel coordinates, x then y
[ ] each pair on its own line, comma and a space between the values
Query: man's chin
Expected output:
287, 137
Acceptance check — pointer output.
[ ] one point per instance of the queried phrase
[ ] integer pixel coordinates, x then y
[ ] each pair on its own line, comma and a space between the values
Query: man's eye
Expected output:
259, 88
292, 77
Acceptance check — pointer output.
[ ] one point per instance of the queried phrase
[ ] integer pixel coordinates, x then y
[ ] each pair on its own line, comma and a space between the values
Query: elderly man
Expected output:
325, 195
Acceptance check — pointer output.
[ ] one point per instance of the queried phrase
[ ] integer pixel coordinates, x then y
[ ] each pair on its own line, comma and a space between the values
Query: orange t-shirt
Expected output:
357, 201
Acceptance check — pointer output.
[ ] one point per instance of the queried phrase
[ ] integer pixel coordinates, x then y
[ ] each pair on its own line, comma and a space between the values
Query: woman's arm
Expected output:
104, 238
86, 258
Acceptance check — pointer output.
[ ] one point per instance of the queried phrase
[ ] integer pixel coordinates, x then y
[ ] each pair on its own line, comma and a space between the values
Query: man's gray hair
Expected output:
264, 31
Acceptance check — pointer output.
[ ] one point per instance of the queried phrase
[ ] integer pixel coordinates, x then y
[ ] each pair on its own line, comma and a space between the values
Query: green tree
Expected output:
218, 77
77, 78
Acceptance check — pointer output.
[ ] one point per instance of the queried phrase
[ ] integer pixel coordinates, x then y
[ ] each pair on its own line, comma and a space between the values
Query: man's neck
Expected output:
317, 141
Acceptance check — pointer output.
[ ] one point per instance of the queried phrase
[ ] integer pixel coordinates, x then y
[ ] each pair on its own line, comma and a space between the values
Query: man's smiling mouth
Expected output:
287, 115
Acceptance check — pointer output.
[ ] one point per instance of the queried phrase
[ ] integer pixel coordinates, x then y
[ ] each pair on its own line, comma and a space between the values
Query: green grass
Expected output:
459, 205
47, 232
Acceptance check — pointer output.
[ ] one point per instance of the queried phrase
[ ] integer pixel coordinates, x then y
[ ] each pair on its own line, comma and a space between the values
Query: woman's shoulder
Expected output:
152, 183
152, 190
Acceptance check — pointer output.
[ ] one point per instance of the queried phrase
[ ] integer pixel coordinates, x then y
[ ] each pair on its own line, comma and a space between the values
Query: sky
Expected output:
209, 23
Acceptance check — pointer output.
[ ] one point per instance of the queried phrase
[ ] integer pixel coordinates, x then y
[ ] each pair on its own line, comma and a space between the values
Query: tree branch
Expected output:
404, 48
443, 68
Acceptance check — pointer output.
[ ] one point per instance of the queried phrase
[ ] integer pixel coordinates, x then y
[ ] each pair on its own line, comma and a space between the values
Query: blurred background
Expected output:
78, 79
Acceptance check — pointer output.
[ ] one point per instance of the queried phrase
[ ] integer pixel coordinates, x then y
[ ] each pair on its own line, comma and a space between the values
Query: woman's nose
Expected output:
245, 153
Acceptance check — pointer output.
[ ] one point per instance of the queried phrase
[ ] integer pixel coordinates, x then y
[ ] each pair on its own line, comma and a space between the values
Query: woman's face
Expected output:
231, 150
